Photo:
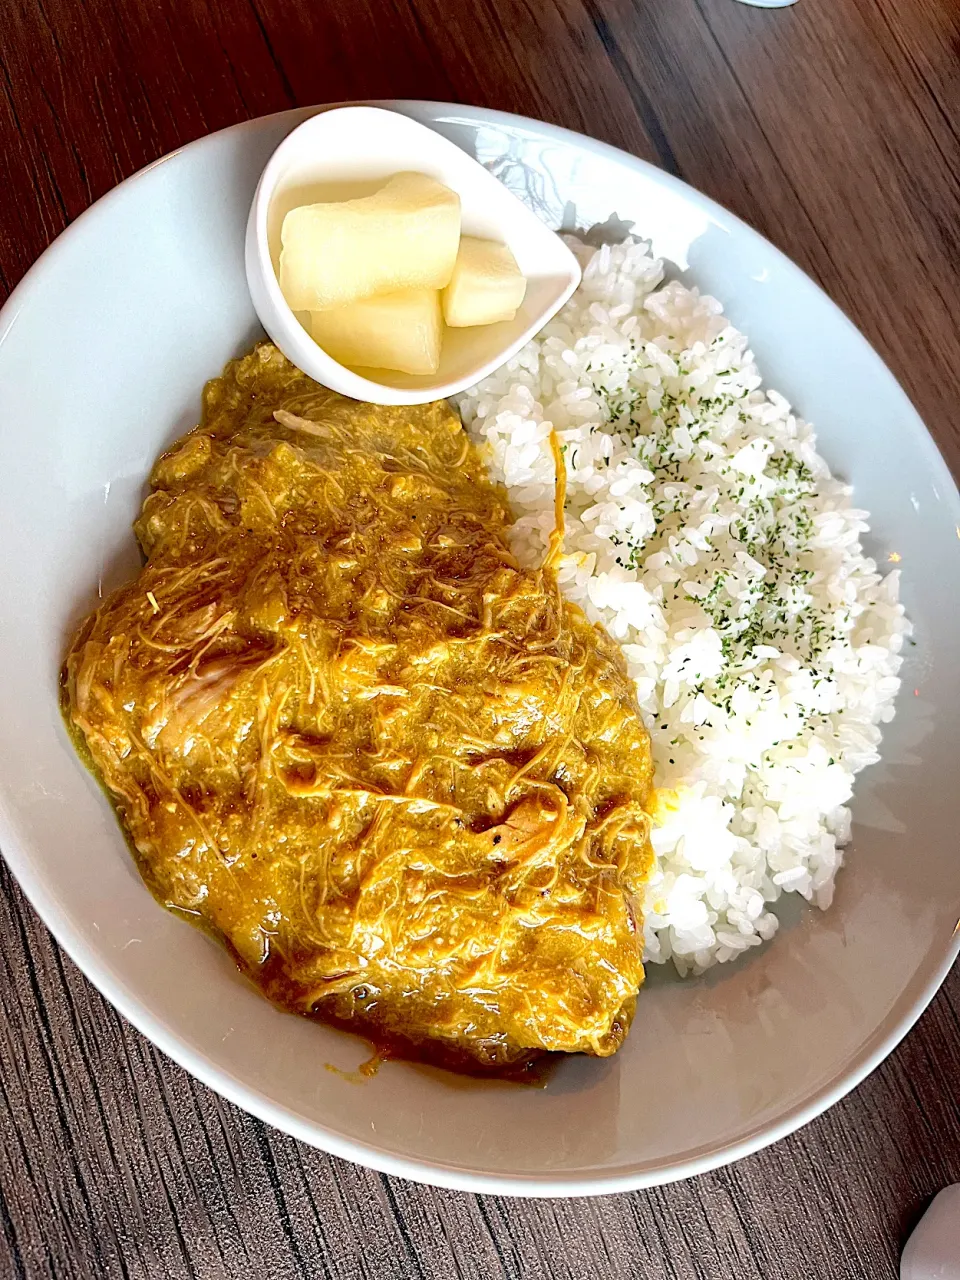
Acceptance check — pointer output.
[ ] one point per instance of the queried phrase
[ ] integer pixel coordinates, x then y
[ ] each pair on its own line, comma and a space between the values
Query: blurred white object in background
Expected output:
769, 4
933, 1251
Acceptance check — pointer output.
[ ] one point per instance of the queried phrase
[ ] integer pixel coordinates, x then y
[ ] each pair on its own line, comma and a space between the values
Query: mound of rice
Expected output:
705, 532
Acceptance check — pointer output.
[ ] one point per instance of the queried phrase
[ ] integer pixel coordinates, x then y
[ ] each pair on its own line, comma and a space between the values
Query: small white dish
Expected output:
933, 1251
350, 152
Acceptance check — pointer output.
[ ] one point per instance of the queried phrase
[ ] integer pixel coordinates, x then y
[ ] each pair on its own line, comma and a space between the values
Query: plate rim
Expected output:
96, 967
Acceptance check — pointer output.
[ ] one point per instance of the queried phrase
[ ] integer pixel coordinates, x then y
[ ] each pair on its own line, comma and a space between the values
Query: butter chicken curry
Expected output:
392, 770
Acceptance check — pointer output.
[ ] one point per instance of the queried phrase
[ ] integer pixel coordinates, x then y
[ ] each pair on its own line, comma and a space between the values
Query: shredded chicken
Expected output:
398, 775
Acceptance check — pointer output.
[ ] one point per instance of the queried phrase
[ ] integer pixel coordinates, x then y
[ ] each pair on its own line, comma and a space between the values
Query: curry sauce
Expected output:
394, 771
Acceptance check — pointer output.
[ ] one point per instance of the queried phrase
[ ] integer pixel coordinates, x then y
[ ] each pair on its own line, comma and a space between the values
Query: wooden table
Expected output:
831, 127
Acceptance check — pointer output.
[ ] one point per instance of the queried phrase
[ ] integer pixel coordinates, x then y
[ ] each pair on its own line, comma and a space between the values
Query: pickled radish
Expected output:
399, 331
404, 236
486, 286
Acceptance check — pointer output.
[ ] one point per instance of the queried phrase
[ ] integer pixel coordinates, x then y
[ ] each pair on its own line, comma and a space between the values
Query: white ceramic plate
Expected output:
103, 350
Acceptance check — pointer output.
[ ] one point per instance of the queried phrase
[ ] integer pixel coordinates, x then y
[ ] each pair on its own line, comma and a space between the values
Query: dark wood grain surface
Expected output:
832, 127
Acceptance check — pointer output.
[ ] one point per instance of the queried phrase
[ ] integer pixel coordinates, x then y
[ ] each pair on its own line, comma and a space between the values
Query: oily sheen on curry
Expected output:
394, 771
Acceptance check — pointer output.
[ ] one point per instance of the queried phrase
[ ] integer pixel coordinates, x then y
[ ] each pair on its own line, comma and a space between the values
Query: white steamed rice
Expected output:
705, 532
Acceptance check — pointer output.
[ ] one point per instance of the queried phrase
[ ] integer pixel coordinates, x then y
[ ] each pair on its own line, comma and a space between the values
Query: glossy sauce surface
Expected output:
395, 773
